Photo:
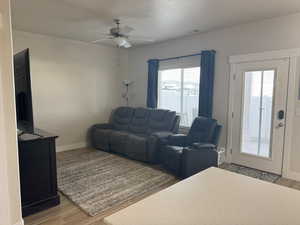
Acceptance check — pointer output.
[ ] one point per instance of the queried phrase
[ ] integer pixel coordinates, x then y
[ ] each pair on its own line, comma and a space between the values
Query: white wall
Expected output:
10, 204
273, 34
74, 85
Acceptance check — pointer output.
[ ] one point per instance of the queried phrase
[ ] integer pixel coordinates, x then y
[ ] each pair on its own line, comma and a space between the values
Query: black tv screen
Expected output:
23, 91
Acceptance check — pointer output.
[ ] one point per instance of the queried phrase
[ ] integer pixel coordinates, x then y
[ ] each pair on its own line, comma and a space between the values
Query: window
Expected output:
178, 90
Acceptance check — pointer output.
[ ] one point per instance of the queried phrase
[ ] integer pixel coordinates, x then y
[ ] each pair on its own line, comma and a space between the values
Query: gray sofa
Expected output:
135, 132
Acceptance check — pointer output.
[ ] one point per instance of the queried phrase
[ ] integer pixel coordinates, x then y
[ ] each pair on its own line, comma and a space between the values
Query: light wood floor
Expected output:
67, 213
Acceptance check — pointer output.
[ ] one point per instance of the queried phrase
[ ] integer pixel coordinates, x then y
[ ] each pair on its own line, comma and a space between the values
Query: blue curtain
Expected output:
207, 83
153, 66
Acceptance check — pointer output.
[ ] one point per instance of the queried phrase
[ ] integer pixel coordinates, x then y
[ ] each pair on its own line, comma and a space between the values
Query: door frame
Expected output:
290, 54
10, 198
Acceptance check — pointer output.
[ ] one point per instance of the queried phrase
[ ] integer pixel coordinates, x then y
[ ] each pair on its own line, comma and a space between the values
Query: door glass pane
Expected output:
257, 113
266, 113
250, 128
170, 89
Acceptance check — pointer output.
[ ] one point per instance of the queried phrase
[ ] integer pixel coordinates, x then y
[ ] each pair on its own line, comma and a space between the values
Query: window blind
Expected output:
186, 62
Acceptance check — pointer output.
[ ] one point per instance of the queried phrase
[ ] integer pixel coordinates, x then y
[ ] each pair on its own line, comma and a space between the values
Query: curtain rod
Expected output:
178, 57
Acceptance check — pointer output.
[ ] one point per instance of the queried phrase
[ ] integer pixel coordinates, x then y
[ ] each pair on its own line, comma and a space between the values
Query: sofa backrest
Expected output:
202, 130
161, 120
176, 124
140, 121
121, 117
143, 120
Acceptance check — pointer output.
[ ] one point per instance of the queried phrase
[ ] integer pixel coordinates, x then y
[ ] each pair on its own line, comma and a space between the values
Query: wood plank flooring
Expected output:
67, 213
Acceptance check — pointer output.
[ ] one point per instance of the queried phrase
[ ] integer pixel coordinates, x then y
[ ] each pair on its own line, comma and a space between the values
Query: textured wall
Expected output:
74, 84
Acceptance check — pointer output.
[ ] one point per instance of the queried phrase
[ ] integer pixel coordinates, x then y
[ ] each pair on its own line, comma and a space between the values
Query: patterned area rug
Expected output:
99, 182
269, 177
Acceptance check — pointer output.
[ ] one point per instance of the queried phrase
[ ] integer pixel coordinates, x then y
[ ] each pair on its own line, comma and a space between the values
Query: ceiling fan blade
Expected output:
141, 38
126, 30
103, 35
100, 40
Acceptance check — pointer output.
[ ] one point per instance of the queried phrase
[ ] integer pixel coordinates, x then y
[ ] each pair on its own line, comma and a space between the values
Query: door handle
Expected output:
280, 125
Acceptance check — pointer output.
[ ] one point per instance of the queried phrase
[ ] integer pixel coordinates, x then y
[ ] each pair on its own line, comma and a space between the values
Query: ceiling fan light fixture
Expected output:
127, 45
122, 42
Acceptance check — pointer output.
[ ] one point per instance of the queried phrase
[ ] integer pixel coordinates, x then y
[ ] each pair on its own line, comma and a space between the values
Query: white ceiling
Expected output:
160, 20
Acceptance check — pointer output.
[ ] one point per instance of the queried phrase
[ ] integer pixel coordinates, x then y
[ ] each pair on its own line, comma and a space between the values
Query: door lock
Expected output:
281, 115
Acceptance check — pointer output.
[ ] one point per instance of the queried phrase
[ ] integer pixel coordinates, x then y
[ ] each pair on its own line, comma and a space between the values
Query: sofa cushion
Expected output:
161, 120
139, 122
122, 117
118, 141
136, 147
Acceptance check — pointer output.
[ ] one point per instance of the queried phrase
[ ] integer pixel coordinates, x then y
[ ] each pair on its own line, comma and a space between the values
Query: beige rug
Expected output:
99, 182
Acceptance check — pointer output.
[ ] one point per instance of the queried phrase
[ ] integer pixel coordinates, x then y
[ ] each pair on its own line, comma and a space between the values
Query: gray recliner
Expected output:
135, 132
185, 155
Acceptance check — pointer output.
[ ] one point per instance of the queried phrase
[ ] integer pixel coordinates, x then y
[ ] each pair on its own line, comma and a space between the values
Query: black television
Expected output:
23, 93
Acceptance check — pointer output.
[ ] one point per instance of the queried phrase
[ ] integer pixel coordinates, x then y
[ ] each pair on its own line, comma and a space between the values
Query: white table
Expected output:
215, 197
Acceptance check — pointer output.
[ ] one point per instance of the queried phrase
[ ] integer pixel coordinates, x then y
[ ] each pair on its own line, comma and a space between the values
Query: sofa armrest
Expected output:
177, 140
92, 135
199, 145
162, 136
103, 126
154, 141
195, 160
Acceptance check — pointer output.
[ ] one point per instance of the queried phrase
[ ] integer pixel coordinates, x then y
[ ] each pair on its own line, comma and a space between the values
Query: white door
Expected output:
259, 108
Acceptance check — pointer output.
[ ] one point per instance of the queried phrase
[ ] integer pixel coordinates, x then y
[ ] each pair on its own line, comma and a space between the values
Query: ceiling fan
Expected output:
119, 35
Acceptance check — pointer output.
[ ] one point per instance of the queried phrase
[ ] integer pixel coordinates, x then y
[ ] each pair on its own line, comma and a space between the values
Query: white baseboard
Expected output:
293, 175
20, 222
63, 148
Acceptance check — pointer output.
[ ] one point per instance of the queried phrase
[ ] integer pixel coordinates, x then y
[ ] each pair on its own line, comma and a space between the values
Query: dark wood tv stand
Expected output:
37, 162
